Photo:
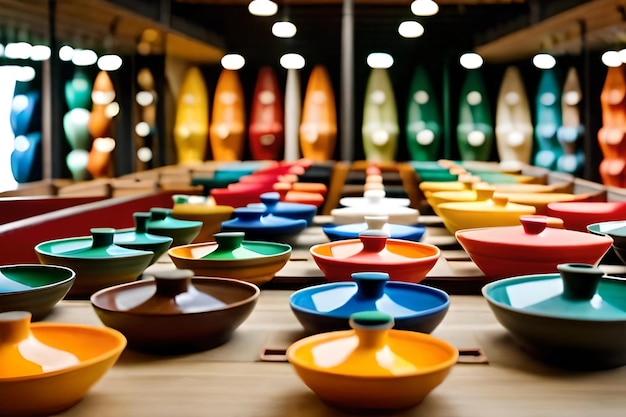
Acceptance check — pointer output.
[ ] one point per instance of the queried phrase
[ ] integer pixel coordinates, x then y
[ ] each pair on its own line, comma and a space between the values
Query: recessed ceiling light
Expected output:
292, 61
110, 62
284, 29
424, 8
471, 60
410, 29
611, 59
544, 61
262, 7
379, 60
233, 61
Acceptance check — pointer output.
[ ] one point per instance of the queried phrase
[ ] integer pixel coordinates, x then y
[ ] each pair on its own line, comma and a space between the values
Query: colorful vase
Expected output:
571, 131
423, 125
318, 127
380, 118
227, 131
267, 131
548, 120
475, 129
611, 135
191, 126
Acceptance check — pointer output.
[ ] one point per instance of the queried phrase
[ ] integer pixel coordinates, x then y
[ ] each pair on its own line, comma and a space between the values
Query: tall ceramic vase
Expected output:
514, 128
612, 134
191, 126
571, 131
380, 118
227, 131
266, 132
318, 127
293, 112
76, 123
100, 127
548, 119
25, 119
475, 128
423, 122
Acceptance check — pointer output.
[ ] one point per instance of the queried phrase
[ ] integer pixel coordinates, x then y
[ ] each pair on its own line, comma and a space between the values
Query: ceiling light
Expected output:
262, 7
25, 74
471, 60
544, 61
66, 53
84, 57
233, 61
40, 52
110, 62
410, 29
612, 59
379, 60
284, 29
292, 61
424, 8
17, 50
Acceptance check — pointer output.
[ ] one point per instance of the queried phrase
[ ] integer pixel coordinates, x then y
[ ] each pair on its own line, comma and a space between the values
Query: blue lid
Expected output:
352, 231
271, 203
256, 224
370, 291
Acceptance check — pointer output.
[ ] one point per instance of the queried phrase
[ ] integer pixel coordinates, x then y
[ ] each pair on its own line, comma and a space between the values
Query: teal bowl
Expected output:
34, 288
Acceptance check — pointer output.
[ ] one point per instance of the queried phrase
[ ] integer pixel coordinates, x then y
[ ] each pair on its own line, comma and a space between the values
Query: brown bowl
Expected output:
176, 312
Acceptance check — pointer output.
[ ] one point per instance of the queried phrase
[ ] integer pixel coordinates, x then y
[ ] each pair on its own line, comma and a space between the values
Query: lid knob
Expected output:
229, 240
483, 191
533, 225
141, 221
580, 281
374, 196
170, 283
102, 237
373, 241
249, 213
14, 326
159, 213
370, 285
270, 200
376, 223
371, 328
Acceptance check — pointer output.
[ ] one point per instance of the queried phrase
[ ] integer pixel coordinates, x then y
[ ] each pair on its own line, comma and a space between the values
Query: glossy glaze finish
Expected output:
231, 256
579, 215
227, 129
328, 307
176, 312
531, 248
271, 203
257, 225
210, 215
374, 223
95, 259
49, 367
162, 223
374, 197
376, 204
372, 368
562, 322
139, 238
403, 260
615, 230
33, 288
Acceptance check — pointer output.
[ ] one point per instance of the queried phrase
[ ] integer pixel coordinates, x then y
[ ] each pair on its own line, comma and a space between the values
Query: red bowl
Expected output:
578, 215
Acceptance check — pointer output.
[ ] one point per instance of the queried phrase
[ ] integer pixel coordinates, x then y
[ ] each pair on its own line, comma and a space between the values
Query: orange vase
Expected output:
100, 126
318, 128
267, 131
611, 135
227, 129
192, 118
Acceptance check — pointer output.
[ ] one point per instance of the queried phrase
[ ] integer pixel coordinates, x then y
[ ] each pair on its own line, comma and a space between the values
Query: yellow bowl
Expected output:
211, 217
49, 367
372, 368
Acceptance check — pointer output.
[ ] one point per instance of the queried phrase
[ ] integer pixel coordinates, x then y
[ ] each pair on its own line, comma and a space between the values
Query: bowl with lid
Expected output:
403, 260
97, 261
375, 204
162, 223
139, 238
231, 256
579, 215
374, 223
530, 248
176, 312
570, 319
48, 367
34, 288
211, 216
328, 307
271, 203
258, 224
372, 367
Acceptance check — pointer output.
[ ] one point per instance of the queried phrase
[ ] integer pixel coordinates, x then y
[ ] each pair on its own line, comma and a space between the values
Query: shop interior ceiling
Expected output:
202, 30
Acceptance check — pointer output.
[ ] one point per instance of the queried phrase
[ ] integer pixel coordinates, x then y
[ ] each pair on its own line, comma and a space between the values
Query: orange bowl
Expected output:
403, 260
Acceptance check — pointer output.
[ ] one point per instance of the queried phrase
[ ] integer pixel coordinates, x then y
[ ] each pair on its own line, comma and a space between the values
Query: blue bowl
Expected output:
257, 225
351, 231
327, 307
270, 202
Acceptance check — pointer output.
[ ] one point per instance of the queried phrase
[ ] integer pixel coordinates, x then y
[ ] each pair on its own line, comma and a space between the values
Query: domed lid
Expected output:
375, 249
254, 222
374, 197
393, 231
495, 203
140, 235
370, 291
271, 203
579, 292
232, 246
372, 349
99, 246
24, 277
160, 218
534, 233
356, 214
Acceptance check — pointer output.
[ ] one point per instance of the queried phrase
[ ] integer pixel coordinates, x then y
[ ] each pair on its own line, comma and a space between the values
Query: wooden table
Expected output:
249, 377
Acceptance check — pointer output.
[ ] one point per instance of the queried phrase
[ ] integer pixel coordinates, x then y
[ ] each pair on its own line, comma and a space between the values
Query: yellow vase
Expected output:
192, 118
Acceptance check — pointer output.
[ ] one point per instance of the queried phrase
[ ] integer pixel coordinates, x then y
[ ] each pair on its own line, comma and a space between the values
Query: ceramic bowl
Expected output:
271, 204
33, 288
541, 200
615, 230
258, 225
163, 224
139, 238
176, 312
240, 195
301, 193
210, 215
494, 212
371, 197
374, 223
328, 307
433, 171
477, 192
230, 256
531, 248
375, 205
96, 260
372, 368
571, 319
49, 367
579, 215
403, 260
